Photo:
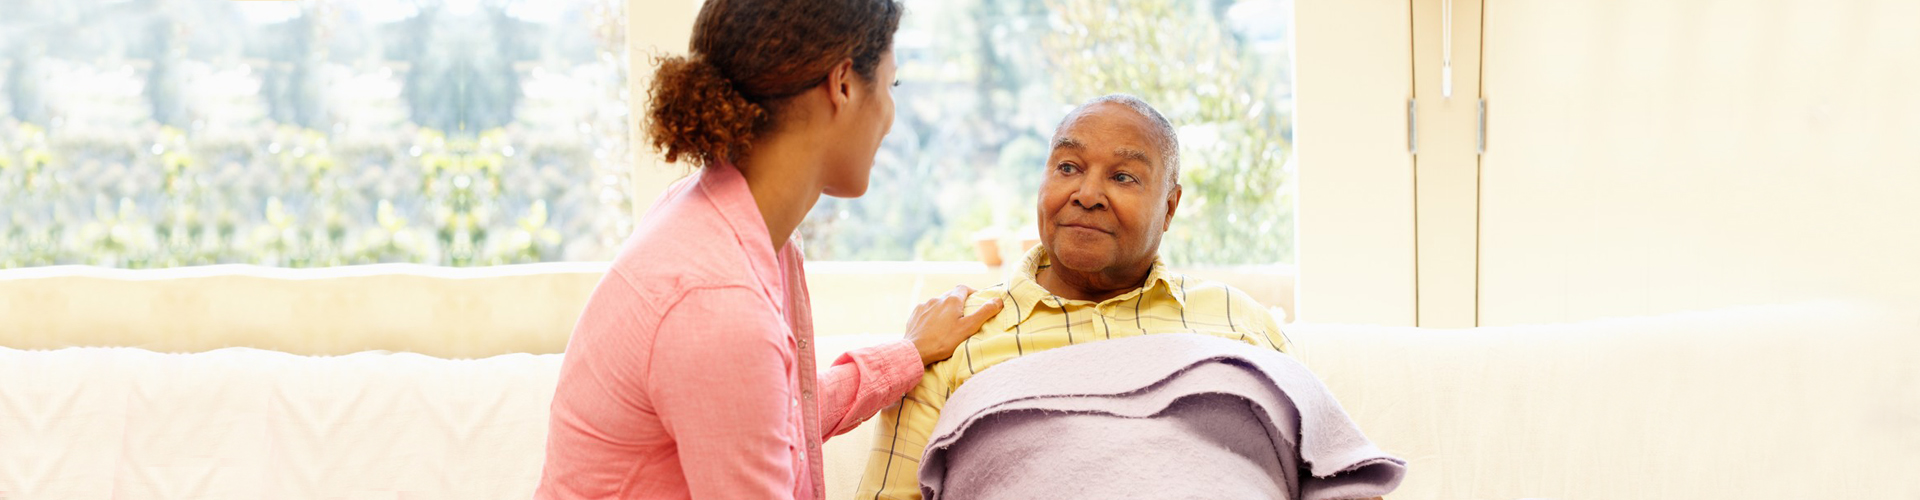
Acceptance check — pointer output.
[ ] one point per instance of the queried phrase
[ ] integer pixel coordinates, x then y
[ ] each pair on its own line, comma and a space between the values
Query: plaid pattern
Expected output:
1035, 320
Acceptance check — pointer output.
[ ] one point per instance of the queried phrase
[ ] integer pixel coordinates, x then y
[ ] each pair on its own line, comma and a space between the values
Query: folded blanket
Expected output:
1156, 416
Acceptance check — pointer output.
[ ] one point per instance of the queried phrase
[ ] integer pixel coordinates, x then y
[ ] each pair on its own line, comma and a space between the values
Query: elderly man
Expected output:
1112, 186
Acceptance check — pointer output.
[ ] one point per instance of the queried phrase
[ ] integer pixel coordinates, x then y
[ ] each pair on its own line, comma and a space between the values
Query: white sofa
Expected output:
1786, 402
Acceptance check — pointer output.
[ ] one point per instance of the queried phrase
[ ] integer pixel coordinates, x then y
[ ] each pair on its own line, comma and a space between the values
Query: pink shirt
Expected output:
691, 372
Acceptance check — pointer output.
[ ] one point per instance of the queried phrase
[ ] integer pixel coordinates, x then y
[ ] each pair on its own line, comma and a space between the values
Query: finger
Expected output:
980, 316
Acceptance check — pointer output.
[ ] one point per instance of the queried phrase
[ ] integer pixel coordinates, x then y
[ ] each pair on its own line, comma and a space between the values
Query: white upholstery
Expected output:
1798, 402
1808, 401
123, 423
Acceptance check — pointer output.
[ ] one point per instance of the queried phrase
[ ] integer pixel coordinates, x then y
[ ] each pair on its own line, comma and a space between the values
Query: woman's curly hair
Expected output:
746, 57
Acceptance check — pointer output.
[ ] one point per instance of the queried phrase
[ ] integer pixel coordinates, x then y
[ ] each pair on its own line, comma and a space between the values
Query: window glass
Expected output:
312, 133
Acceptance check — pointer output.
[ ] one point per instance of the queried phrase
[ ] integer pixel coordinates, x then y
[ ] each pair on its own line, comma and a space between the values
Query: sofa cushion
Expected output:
124, 423
1800, 401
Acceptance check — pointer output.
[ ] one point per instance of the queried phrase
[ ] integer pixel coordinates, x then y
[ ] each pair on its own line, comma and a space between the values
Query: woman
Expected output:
690, 374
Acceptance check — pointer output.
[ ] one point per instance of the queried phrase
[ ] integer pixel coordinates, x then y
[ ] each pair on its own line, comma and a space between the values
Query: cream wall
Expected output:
1446, 83
1353, 79
1648, 156
1641, 157
654, 27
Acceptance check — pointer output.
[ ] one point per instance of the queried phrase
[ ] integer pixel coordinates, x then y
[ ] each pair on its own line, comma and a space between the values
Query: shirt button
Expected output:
803, 343
807, 394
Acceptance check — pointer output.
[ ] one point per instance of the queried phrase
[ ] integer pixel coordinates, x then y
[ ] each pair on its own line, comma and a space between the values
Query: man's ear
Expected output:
840, 85
1173, 203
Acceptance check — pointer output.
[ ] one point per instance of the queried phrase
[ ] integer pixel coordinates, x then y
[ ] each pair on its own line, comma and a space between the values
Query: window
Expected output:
984, 82
449, 132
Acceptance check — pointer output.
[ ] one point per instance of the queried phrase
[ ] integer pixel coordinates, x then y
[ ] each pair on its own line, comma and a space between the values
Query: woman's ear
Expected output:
841, 85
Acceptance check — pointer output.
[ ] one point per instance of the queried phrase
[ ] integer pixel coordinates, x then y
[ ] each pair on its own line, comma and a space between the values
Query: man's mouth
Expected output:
1086, 227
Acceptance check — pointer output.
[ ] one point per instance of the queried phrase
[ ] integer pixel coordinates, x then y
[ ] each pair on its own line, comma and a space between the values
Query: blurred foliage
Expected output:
986, 81
306, 134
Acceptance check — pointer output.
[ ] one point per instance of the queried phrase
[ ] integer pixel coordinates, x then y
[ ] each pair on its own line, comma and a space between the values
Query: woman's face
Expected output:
870, 117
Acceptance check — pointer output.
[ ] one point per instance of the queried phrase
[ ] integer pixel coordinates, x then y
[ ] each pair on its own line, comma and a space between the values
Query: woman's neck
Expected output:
783, 174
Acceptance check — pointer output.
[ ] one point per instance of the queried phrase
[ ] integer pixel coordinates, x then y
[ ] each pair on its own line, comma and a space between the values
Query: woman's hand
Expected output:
937, 328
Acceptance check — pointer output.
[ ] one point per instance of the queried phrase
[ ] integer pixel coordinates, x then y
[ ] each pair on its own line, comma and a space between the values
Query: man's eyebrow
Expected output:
1068, 143
1133, 154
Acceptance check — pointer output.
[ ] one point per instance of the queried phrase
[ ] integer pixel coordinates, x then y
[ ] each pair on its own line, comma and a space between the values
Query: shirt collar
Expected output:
1023, 286
723, 184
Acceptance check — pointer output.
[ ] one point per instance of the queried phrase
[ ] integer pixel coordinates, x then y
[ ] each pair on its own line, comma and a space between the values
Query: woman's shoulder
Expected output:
653, 294
674, 262
681, 242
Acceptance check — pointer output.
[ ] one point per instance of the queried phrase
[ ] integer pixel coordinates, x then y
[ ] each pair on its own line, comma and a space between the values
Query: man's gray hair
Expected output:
1169, 141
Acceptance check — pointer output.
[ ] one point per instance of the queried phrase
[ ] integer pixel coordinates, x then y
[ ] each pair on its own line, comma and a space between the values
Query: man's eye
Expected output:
1124, 177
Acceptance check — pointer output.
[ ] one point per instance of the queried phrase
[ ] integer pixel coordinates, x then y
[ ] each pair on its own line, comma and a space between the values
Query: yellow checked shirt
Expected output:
1035, 320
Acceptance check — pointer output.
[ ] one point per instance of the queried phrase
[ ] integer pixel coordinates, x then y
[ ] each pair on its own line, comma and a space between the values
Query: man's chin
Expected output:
1081, 259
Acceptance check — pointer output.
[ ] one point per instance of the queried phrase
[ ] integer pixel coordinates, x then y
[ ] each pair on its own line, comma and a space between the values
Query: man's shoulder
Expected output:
997, 289
984, 295
1188, 285
983, 340
1214, 296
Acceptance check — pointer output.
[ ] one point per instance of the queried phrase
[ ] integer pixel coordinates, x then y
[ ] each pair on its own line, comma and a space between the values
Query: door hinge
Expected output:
1413, 127
1480, 144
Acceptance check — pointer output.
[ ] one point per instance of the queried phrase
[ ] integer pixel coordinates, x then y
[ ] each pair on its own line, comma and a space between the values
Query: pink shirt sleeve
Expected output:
720, 386
862, 382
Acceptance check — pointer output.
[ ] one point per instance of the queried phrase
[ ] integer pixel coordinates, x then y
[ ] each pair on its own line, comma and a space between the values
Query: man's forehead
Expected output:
1124, 151
1123, 135
1106, 115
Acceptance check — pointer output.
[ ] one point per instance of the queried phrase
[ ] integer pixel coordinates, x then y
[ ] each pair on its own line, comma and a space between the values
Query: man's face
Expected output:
1107, 197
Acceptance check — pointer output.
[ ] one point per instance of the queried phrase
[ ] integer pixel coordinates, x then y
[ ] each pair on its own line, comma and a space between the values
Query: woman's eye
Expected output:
896, 83
1067, 168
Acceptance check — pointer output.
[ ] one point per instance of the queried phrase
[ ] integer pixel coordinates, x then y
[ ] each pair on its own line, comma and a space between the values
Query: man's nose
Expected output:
1089, 195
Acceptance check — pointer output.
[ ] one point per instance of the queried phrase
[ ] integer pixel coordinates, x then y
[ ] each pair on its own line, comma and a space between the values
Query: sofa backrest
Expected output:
1818, 400
438, 311
1788, 402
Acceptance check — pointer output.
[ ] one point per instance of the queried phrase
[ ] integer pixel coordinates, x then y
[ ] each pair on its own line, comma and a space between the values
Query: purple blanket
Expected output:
1157, 416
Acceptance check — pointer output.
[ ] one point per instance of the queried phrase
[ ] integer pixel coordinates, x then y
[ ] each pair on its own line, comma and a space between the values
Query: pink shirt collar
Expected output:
727, 187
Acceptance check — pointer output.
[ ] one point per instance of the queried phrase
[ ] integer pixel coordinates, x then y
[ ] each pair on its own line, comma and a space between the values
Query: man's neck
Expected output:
1093, 287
